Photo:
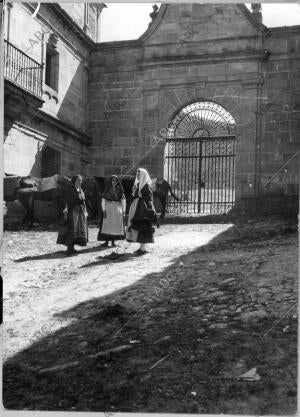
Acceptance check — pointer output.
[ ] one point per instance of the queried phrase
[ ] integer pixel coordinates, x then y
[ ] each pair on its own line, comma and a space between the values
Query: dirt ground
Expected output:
206, 304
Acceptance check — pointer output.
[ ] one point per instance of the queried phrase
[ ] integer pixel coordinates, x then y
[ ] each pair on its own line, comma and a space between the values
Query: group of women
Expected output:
73, 228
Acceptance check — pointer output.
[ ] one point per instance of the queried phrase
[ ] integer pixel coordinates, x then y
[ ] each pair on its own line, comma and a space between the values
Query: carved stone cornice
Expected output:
155, 23
279, 31
203, 59
77, 134
99, 7
118, 44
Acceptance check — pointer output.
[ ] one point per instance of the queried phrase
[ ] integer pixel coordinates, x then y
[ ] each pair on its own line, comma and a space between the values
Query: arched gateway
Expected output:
200, 159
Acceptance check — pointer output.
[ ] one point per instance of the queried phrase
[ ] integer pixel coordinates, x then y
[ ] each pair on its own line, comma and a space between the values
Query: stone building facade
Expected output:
195, 53
46, 65
107, 108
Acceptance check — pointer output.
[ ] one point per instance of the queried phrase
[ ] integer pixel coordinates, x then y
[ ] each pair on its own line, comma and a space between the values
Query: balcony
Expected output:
21, 70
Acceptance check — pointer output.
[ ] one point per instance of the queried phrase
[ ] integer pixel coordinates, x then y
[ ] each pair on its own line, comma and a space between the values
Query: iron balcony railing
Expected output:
22, 70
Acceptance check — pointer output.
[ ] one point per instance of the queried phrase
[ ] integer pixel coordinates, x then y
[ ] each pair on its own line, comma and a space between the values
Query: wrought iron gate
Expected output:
201, 172
200, 159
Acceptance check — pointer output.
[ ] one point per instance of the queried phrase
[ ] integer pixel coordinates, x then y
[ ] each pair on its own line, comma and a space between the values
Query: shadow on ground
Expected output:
175, 316
58, 254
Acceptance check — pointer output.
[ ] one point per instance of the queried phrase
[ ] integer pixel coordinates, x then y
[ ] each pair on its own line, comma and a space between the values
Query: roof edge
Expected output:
129, 43
284, 29
244, 9
152, 28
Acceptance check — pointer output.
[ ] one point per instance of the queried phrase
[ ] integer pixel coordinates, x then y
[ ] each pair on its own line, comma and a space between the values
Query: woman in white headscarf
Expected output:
142, 215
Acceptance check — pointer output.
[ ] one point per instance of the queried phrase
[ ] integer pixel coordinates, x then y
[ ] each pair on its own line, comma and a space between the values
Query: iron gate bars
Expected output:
201, 171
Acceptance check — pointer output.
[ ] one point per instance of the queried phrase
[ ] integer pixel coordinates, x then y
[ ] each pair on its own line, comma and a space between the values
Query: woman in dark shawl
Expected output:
111, 225
74, 230
142, 215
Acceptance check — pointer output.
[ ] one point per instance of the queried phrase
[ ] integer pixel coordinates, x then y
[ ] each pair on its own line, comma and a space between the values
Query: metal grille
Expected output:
200, 160
22, 70
202, 119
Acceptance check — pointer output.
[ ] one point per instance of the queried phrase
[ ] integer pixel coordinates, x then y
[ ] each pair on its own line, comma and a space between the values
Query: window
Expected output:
52, 66
50, 162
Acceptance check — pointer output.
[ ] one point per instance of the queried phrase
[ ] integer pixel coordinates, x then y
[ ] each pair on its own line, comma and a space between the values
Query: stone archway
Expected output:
199, 159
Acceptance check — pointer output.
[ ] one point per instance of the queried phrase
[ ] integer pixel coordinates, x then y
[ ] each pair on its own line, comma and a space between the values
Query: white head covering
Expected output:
144, 179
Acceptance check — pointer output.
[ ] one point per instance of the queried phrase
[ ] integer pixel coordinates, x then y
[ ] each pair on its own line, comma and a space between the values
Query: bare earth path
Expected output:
212, 301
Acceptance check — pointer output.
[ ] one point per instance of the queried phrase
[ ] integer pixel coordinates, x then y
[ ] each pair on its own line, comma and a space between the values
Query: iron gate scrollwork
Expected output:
200, 159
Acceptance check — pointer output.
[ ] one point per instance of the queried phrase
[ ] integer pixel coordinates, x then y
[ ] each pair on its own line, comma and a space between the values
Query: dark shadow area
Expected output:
53, 255
168, 347
40, 227
232, 217
58, 254
113, 257
68, 105
17, 226
70, 125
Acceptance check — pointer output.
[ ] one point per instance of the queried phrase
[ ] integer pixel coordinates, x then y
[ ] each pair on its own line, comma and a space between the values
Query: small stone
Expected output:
215, 294
146, 377
209, 316
226, 282
224, 298
83, 344
213, 289
222, 306
218, 326
175, 301
163, 340
254, 316
263, 290
160, 310
200, 332
147, 323
196, 309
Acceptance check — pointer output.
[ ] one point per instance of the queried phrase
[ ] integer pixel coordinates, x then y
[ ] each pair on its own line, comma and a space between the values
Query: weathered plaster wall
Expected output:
61, 122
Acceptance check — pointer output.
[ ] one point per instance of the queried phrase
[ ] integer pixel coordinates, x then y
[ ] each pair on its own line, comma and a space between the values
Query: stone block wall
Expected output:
280, 117
137, 87
192, 53
123, 95
115, 110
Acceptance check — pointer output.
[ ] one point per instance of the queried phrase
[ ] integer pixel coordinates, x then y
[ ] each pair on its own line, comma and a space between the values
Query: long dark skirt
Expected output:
140, 231
75, 230
144, 231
